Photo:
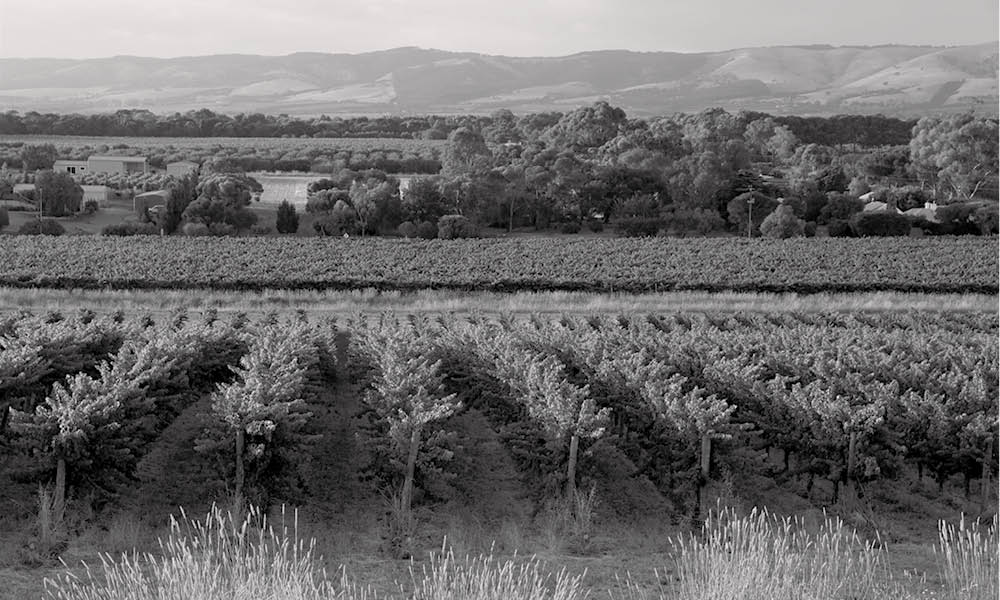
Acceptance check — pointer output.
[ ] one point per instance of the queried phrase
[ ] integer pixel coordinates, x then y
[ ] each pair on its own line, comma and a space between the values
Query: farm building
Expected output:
99, 193
143, 202
117, 164
73, 167
181, 168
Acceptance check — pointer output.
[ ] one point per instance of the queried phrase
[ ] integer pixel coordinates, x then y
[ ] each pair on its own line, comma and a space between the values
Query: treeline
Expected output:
859, 130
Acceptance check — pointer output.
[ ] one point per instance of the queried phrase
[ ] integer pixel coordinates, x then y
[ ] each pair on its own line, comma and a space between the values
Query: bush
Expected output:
195, 229
880, 224
221, 229
839, 207
570, 227
639, 227
839, 228
987, 218
123, 229
407, 229
427, 230
810, 229
596, 225
260, 230
455, 226
4, 217
699, 221
90, 207
782, 224
42, 227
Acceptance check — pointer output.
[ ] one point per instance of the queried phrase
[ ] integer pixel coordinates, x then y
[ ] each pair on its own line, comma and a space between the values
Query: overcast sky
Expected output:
167, 28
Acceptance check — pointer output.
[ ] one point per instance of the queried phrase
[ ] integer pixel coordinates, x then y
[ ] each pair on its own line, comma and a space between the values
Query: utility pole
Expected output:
750, 201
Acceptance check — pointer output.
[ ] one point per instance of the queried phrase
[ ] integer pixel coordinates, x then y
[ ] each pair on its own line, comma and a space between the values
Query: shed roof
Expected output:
120, 158
182, 162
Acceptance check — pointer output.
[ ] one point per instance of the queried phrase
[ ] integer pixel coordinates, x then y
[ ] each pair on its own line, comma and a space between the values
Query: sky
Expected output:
170, 28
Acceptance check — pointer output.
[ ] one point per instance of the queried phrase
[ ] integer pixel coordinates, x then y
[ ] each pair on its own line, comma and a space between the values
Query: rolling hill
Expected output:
898, 80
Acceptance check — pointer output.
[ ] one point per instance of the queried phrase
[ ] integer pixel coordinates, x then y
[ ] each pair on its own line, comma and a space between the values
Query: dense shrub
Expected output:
639, 226
407, 229
810, 229
427, 230
698, 221
839, 207
260, 230
782, 224
839, 228
596, 225
220, 229
195, 229
123, 229
880, 224
42, 227
90, 207
570, 227
4, 217
987, 218
455, 226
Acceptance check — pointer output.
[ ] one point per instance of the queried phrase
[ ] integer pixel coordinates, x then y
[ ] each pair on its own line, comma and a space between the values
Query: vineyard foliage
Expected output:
626, 265
849, 398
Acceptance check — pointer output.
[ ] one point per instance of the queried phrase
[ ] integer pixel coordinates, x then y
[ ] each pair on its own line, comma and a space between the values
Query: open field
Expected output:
930, 265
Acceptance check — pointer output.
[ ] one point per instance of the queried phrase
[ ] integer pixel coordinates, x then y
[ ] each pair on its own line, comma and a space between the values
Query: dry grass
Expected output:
439, 301
968, 558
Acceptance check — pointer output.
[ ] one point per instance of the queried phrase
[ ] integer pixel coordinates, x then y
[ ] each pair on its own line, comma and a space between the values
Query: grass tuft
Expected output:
968, 558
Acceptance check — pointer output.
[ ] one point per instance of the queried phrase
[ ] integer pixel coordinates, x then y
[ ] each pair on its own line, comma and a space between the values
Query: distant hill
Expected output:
807, 80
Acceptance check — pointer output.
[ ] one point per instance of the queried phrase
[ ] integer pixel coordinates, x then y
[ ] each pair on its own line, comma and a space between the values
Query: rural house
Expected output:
99, 193
117, 164
73, 167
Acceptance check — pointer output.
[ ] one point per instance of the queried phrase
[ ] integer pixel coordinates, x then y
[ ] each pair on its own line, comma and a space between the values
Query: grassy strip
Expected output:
437, 301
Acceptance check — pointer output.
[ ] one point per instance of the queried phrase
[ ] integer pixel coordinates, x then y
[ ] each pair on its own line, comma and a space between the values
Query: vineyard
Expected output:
618, 265
649, 412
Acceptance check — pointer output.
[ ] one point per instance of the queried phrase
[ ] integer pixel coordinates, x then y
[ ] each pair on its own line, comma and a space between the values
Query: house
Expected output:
181, 168
117, 164
73, 167
99, 193
145, 201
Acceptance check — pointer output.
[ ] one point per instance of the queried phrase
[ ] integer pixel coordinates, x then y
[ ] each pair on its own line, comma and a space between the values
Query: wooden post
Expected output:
986, 480
59, 495
411, 467
574, 448
852, 448
240, 473
706, 455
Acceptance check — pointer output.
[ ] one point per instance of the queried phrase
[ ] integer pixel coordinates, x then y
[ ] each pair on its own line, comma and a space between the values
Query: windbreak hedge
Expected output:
607, 265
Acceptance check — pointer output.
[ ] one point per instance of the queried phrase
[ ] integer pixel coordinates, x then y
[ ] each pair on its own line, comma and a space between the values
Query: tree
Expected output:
223, 198
58, 193
466, 152
423, 200
323, 201
782, 223
740, 209
455, 226
36, 157
956, 154
4, 218
342, 219
287, 220
586, 127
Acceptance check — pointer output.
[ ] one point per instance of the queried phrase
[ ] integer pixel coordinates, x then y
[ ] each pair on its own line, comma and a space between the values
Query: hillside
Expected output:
901, 80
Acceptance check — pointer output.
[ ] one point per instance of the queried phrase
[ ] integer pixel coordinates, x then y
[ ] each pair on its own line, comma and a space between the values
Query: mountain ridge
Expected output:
895, 79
